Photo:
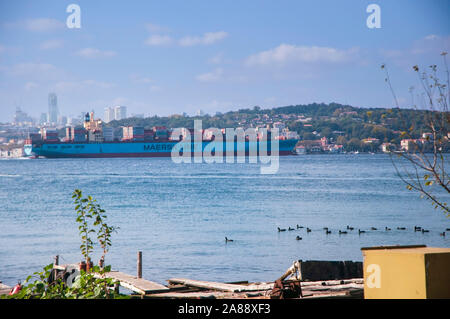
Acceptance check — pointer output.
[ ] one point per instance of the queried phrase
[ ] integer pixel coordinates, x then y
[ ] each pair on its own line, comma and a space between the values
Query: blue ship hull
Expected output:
136, 149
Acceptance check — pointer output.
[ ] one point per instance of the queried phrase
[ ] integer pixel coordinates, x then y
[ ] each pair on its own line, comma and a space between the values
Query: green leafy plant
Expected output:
87, 285
87, 208
92, 283
83, 214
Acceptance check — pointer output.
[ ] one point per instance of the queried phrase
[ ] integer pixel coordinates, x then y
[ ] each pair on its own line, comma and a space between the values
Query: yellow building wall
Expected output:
409, 273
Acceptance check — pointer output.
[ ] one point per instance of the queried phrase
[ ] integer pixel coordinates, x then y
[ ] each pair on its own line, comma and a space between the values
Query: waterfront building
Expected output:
300, 150
312, 146
387, 147
407, 144
412, 144
370, 140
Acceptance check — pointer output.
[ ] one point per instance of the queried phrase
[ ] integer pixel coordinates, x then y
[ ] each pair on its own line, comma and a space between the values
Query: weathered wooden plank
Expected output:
207, 295
60, 267
190, 295
342, 294
221, 286
335, 287
139, 285
332, 282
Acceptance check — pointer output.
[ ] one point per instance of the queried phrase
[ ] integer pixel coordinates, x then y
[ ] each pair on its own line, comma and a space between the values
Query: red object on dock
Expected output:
16, 289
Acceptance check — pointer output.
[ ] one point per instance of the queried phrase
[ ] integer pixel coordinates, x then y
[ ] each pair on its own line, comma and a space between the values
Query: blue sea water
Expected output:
179, 214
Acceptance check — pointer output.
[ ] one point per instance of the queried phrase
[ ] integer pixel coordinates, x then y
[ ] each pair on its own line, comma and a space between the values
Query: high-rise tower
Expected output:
120, 112
52, 108
109, 115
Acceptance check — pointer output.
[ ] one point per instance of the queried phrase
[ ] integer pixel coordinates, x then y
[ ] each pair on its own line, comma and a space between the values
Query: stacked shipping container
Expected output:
49, 135
149, 135
79, 134
133, 133
108, 134
161, 132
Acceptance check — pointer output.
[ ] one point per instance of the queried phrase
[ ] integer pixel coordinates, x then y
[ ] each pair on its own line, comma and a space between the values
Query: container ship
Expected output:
94, 141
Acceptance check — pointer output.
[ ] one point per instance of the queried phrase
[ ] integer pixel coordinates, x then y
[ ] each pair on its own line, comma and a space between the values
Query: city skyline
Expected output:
214, 57
54, 118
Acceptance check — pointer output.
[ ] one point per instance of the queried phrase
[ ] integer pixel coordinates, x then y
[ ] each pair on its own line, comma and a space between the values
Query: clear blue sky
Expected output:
166, 57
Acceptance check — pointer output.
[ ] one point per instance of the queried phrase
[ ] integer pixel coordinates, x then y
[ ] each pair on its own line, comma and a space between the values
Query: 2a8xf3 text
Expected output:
245, 308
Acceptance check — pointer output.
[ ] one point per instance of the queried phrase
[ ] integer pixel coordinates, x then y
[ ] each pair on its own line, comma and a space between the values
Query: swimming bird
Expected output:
442, 234
373, 228
299, 226
387, 228
228, 240
417, 228
401, 228
425, 231
325, 228
349, 228
361, 231
328, 232
290, 228
298, 238
308, 230
281, 229
447, 229
342, 232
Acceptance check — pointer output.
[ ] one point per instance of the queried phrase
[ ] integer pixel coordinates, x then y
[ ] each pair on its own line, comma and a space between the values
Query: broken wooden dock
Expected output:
221, 286
317, 279
197, 289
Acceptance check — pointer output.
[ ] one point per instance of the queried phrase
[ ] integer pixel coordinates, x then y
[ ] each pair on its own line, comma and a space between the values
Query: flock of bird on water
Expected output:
347, 230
